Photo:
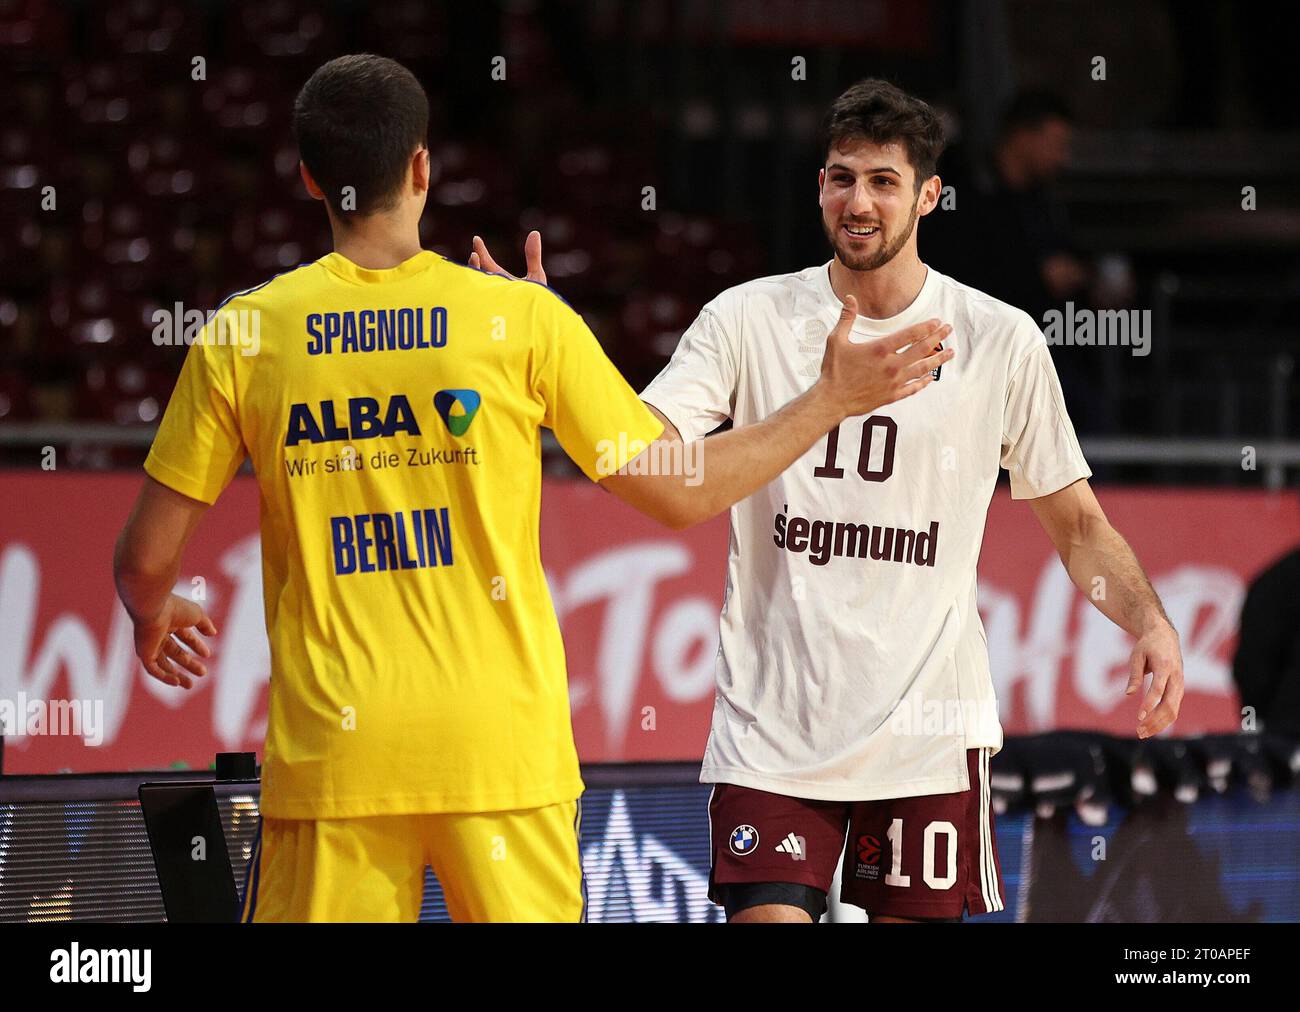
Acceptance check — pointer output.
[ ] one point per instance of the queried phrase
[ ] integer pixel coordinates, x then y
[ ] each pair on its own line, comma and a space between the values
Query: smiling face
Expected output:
870, 202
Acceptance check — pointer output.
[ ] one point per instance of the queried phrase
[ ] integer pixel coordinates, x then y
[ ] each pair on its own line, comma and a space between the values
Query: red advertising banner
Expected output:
638, 605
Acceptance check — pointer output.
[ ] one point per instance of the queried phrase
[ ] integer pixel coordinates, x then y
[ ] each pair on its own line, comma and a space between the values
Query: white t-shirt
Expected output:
852, 663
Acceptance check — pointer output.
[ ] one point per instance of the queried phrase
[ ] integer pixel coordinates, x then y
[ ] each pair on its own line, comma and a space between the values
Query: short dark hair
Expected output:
358, 120
883, 113
1030, 109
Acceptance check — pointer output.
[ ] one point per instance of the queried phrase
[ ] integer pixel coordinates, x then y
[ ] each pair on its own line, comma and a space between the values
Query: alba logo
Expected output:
457, 408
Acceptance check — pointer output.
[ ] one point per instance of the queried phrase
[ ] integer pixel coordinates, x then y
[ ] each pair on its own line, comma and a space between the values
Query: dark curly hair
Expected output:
882, 113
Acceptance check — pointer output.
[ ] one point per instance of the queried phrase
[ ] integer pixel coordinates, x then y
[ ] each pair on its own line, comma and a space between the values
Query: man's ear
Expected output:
821, 184
315, 191
930, 191
420, 170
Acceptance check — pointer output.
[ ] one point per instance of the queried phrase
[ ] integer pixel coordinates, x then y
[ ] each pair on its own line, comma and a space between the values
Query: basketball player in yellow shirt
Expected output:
391, 403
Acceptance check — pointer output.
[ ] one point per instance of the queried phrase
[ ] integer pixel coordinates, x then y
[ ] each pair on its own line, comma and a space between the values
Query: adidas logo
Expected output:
794, 846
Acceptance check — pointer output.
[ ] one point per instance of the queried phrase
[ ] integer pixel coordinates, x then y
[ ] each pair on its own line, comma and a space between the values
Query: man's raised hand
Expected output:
862, 377
482, 259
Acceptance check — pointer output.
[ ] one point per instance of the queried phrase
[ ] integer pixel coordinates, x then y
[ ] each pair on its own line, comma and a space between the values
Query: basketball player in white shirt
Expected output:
854, 696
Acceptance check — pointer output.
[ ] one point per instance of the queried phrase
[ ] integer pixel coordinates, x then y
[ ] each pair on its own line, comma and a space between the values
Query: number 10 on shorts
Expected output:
869, 856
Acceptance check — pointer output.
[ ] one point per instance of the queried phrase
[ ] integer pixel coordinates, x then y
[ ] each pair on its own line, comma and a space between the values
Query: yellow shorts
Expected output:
493, 866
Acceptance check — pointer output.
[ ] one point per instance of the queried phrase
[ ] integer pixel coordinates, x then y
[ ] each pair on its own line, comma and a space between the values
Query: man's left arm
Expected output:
1092, 550
195, 454
146, 565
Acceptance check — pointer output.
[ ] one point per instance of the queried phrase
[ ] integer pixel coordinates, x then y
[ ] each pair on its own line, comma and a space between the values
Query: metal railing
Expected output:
1271, 458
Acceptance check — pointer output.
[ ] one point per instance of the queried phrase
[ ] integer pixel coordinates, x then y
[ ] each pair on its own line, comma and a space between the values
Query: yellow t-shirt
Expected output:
393, 420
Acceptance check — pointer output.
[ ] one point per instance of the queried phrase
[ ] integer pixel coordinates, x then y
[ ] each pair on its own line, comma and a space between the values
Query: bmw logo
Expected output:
744, 839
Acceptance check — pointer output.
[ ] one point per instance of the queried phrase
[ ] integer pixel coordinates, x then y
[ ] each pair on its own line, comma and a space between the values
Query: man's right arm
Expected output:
856, 379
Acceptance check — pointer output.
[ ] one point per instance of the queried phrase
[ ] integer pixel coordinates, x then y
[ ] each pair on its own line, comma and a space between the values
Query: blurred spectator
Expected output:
1008, 235
1267, 665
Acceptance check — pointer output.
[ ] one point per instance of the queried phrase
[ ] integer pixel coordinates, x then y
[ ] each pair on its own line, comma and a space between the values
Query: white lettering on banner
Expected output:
1203, 602
626, 577
691, 621
243, 665
1028, 642
241, 669
69, 645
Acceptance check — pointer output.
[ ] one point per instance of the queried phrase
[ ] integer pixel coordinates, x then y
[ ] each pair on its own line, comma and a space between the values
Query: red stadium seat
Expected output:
281, 29
126, 239
471, 176
93, 320
405, 30
34, 27
25, 155
653, 321
125, 394
147, 27
15, 399
599, 178
172, 166
702, 256
107, 101
278, 236
243, 100
578, 252
20, 243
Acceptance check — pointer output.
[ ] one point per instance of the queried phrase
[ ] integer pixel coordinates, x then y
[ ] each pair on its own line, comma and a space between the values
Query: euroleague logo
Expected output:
868, 866
868, 850
744, 840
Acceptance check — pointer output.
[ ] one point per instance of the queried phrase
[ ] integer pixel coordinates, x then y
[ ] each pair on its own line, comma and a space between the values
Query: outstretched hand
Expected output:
169, 645
863, 376
482, 259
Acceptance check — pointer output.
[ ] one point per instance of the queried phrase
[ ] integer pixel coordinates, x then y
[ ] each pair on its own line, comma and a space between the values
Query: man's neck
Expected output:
376, 243
884, 292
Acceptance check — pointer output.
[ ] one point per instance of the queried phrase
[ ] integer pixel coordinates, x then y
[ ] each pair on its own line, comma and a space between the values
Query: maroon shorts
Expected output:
931, 856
